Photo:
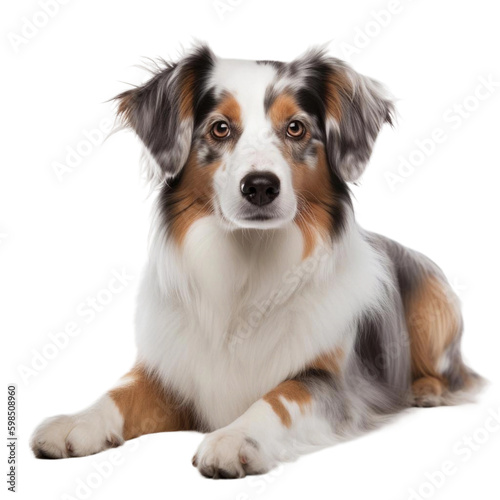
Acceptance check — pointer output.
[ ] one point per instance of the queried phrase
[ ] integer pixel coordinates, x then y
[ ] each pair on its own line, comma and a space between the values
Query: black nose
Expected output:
260, 188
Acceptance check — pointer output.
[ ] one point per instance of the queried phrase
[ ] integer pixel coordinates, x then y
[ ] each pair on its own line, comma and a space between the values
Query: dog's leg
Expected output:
435, 327
298, 416
138, 405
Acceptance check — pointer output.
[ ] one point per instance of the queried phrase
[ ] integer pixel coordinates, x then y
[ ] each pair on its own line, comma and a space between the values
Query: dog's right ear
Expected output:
162, 111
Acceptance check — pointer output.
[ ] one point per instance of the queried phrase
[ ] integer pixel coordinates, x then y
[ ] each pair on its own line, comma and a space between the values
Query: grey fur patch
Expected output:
366, 106
411, 268
330, 393
153, 110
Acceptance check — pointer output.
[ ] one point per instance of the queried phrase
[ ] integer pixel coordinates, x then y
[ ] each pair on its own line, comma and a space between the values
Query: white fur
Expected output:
271, 443
85, 433
257, 148
235, 315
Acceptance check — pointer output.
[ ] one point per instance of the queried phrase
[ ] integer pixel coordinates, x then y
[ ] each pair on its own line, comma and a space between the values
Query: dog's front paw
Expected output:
86, 433
69, 436
230, 454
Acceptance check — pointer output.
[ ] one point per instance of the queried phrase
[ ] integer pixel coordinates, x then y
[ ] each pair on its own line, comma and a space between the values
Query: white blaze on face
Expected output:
257, 148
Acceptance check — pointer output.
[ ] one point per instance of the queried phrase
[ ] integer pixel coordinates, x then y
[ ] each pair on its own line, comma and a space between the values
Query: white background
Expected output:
61, 239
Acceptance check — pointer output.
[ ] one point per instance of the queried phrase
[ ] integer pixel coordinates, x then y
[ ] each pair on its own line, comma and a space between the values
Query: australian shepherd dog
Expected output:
266, 317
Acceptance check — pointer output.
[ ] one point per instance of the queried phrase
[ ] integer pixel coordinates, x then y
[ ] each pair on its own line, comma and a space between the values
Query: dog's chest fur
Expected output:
226, 319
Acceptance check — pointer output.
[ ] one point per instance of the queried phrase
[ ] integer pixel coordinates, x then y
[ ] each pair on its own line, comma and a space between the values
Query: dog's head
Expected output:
257, 144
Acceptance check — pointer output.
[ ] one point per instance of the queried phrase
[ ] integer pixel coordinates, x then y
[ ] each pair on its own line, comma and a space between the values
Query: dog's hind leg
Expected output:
435, 326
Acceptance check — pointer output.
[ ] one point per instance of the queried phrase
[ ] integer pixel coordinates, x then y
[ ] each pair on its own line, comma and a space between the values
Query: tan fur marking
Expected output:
230, 108
329, 361
192, 198
186, 95
433, 322
282, 109
337, 84
427, 386
291, 390
146, 407
312, 185
314, 192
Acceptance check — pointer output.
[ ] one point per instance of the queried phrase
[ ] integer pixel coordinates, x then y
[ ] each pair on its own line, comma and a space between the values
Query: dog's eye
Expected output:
295, 129
220, 130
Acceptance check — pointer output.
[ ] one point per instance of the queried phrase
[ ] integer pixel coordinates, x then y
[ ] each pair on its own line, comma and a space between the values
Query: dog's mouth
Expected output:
247, 215
258, 217
262, 217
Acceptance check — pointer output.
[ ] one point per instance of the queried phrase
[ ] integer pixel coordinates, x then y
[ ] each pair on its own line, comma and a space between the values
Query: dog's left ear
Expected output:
162, 112
356, 109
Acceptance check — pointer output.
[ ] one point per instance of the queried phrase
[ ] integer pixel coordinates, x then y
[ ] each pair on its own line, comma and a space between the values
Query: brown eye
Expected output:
220, 130
295, 129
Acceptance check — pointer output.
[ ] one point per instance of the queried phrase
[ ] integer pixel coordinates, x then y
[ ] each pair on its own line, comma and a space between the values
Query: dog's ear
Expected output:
356, 109
162, 112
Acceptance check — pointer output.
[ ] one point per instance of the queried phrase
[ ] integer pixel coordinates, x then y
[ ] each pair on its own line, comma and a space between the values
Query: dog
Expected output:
267, 318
